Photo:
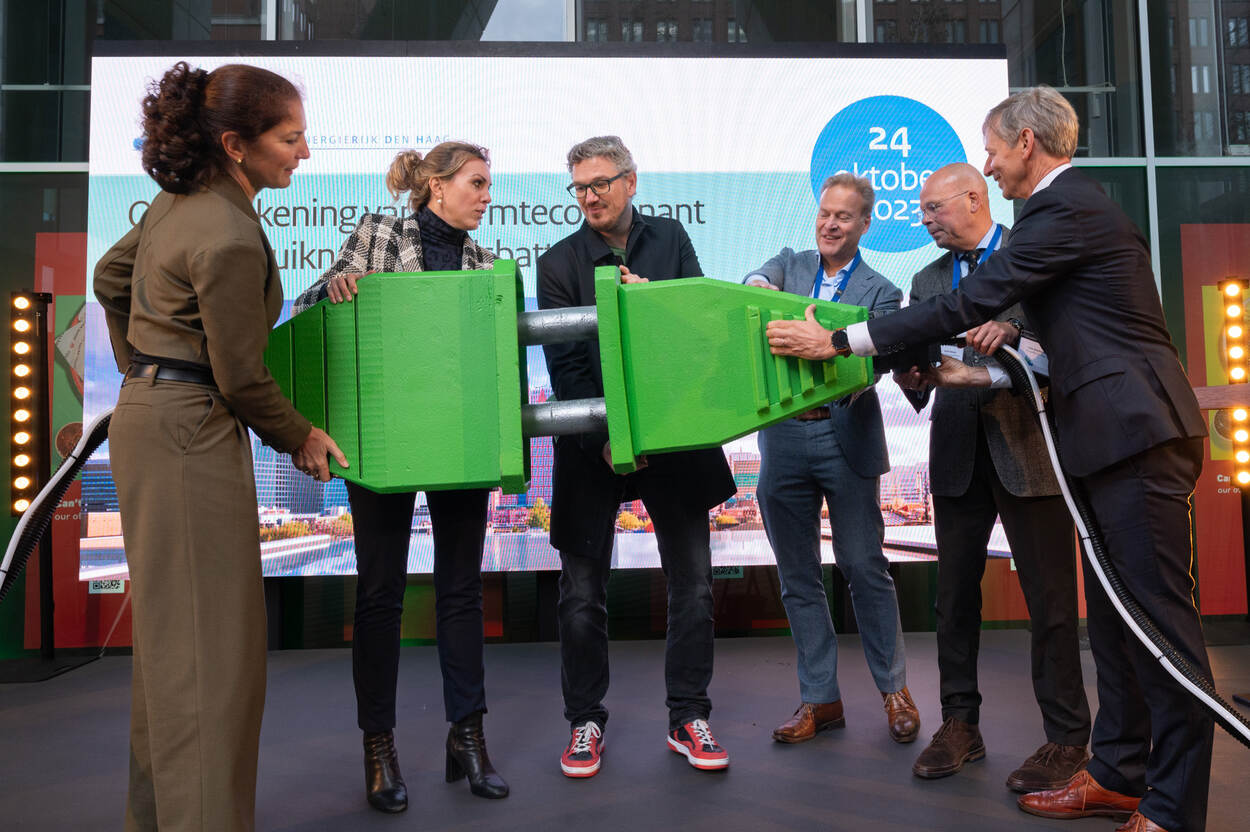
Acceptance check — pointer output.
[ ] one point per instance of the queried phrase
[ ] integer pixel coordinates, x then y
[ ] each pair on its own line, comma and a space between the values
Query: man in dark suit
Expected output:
987, 459
835, 454
1129, 431
676, 488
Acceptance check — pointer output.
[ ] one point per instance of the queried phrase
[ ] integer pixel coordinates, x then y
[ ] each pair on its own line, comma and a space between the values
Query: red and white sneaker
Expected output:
694, 739
581, 758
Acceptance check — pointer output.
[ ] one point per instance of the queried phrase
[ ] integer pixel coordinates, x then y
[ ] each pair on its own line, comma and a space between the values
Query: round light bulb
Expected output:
21, 437
1243, 477
21, 505
21, 460
1232, 290
1240, 414
21, 392
21, 415
21, 302
21, 482
21, 347
21, 325
1241, 434
1234, 331
1236, 353
1237, 373
21, 370
1243, 457
1233, 310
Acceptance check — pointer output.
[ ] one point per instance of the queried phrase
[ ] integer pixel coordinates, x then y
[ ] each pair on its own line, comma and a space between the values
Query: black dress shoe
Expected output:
467, 757
384, 785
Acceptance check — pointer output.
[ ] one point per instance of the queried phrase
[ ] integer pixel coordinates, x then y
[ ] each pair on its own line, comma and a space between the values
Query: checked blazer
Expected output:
382, 243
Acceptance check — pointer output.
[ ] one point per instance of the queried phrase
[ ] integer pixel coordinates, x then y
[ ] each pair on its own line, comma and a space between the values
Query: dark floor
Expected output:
63, 756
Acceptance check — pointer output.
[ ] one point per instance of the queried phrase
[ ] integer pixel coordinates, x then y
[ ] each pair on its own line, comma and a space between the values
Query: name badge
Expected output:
1032, 352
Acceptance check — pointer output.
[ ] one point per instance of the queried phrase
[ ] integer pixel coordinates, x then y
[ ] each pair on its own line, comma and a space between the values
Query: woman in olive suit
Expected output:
190, 294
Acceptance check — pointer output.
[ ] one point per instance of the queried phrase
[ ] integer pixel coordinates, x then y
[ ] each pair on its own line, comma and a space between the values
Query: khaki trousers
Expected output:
183, 467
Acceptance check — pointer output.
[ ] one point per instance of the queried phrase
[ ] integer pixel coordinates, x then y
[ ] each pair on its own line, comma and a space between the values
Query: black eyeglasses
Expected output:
599, 187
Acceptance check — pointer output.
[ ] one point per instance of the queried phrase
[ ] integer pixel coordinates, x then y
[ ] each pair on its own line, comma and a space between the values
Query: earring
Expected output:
239, 161
440, 200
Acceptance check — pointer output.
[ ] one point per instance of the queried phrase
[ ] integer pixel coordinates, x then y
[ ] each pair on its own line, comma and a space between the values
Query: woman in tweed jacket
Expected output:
449, 190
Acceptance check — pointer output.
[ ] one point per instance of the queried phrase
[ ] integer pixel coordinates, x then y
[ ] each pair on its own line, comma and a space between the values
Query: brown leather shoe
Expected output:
1138, 822
902, 715
1080, 797
1050, 767
809, 720
954, 744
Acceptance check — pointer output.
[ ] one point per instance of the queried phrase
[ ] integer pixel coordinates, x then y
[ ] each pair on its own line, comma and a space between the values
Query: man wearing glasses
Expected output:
987, 459
677, 489
835, 453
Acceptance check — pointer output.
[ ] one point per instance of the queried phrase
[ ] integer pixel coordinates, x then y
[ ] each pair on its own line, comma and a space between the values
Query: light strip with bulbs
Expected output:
26, 390
1233, 291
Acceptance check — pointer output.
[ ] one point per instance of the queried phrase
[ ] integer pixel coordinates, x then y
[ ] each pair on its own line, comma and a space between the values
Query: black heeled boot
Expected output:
384, 785
466, 756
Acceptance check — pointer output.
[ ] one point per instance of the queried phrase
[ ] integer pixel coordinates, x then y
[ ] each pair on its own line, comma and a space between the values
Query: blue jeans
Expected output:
801, 464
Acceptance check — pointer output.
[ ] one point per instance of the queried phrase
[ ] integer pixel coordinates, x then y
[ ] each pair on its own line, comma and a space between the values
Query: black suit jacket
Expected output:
1081, 270
586, 493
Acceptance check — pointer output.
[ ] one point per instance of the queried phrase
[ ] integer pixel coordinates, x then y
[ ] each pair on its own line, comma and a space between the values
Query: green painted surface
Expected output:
420, 376
687, 363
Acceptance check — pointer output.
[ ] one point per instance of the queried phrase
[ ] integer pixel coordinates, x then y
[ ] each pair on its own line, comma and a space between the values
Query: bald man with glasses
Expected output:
987, 459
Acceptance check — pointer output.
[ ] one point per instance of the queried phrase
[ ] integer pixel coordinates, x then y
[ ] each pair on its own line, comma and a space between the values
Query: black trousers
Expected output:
1043, 544
383, 524
1150, 737
682, 535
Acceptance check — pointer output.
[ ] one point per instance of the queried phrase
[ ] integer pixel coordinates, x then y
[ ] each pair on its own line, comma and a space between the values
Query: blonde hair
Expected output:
411, 172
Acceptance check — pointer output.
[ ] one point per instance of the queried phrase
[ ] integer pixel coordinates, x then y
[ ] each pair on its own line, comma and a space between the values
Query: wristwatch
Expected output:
840, 342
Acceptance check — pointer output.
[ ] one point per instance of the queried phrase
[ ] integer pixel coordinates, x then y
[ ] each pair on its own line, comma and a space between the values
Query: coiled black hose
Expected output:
1173, 661
34, 523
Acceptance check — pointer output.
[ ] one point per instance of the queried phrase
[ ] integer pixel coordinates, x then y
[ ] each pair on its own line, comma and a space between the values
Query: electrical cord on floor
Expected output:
1147, 632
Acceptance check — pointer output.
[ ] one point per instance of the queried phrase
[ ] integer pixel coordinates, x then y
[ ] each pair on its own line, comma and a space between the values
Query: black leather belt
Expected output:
812, 415
162, 373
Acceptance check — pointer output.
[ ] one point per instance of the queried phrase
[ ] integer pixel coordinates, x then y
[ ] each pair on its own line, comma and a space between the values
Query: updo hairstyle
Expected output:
411, 172
186, 112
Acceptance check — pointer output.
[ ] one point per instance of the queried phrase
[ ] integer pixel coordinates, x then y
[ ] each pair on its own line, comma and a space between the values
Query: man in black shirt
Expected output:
676, 488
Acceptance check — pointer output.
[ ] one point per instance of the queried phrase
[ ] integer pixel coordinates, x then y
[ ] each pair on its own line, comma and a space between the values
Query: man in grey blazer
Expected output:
987, 458
836, 453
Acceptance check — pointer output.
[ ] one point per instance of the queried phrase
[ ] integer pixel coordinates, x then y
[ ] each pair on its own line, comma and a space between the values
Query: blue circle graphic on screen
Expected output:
896, 143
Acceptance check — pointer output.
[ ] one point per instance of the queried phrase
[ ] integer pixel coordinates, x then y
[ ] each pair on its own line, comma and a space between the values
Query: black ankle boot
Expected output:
384, 785
466, 756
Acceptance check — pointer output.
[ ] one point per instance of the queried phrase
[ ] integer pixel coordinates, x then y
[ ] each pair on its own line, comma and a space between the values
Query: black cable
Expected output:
1173, 660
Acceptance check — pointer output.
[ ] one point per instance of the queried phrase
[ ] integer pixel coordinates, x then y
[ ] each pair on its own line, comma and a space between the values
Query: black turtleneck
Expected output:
442, 246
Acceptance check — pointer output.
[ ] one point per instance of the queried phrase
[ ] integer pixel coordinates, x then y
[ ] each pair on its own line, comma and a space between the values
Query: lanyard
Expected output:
985, 255
846, 275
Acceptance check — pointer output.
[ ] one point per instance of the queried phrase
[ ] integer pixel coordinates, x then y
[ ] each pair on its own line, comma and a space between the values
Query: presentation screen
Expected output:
735, 148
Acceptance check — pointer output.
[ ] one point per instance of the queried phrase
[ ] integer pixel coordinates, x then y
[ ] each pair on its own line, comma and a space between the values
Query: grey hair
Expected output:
1044, 111
845, 179
609, 147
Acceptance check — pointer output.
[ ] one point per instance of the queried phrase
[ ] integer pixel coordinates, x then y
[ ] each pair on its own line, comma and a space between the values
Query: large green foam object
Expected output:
421, 379
686, 363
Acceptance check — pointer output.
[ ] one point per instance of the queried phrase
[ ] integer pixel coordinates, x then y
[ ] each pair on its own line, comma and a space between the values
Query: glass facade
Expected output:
1162, 88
